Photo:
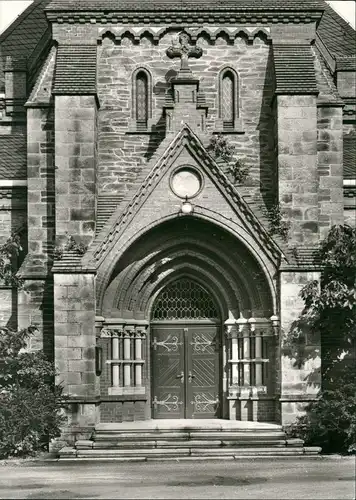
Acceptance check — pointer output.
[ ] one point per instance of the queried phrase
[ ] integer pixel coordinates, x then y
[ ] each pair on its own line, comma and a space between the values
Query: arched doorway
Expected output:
136, 313
186, 352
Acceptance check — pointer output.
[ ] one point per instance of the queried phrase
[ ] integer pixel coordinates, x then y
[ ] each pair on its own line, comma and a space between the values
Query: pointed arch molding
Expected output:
211, 33
249, 227
142, 212
232, 275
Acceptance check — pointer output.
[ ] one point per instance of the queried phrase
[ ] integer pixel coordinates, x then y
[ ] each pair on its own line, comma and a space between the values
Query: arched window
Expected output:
141, 99
228, 97
141, 90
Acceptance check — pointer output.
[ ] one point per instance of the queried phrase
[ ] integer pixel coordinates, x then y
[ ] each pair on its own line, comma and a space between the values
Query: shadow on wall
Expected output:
162, 91
266, 128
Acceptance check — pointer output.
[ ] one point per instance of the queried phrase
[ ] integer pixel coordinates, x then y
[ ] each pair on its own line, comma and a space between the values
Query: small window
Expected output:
228, 97
141, 89
141, 100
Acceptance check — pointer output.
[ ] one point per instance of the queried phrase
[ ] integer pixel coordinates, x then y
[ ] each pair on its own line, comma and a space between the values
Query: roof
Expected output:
106, 206
337, 34
294, 69
25, 33
350, 157
13, 157
75, 71
346, 63
21, 38
162, 5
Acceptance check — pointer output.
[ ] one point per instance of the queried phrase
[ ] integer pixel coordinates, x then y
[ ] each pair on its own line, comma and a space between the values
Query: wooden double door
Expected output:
185, 367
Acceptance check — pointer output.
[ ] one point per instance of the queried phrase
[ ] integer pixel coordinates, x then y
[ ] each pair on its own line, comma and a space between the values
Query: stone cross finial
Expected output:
184, 50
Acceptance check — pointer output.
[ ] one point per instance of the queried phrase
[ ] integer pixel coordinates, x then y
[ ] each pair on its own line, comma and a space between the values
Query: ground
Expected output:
303, 478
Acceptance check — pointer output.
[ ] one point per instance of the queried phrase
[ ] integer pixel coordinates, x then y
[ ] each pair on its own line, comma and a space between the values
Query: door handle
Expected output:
181, 376
190, 376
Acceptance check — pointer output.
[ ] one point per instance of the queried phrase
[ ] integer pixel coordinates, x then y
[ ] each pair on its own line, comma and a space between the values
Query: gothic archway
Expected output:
211, 262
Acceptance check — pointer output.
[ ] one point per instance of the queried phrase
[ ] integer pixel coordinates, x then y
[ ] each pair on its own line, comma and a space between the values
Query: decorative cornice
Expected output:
183, 18
211, 32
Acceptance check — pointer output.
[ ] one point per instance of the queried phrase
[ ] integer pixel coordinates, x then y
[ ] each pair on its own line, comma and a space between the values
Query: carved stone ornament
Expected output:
184, 50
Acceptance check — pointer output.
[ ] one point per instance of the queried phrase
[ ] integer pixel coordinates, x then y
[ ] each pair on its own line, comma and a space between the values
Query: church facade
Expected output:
161, 284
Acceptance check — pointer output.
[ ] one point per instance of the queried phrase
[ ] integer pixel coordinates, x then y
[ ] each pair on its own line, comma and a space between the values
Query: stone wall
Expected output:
75, 341
12, 220
297, 165
330, 167
299, 378
40, 180
120, 154
35, 307
75, 156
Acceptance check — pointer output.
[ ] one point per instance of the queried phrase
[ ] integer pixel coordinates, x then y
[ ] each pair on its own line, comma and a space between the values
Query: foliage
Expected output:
277, 224
9, 251
330, 420
70, 245
330, 312
224, 152
239, 171
221, 149
30, 401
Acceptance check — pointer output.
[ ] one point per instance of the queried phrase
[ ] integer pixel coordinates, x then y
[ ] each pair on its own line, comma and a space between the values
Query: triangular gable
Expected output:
123, 215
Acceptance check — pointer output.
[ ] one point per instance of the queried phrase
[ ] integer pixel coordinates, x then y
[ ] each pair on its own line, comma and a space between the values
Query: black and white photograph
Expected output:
177, 249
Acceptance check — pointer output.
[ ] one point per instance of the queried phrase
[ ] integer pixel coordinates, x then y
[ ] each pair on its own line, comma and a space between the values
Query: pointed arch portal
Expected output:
180, 299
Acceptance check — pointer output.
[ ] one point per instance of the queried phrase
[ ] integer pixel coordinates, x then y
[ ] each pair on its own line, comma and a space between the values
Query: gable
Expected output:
217, 199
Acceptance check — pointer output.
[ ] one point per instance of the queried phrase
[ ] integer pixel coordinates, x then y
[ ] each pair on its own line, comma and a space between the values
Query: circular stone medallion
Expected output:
186, 182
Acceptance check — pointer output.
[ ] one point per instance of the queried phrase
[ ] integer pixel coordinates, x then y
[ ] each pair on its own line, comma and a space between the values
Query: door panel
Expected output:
185, 371
168, 372
203, 373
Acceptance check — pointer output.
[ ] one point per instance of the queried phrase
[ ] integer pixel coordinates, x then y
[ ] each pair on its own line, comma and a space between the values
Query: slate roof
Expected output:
338, 36
350, 157
21, 38
346, 63
13, 157
153, 5
75, 71
294, 69
106, 206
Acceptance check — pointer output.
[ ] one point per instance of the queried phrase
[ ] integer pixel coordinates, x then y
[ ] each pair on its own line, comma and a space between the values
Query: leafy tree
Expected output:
30, 401
330, 314
9, 252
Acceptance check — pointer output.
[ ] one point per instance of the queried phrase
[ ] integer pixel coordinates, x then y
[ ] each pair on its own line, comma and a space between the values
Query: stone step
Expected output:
137, 452
139, 436
247, 451
189, 443
154, 434
180, 453
136, 427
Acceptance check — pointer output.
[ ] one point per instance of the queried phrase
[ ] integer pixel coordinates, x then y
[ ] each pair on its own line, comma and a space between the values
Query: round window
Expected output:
186, 182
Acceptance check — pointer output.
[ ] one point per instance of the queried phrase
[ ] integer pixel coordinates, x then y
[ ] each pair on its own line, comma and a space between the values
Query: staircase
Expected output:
186, 439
